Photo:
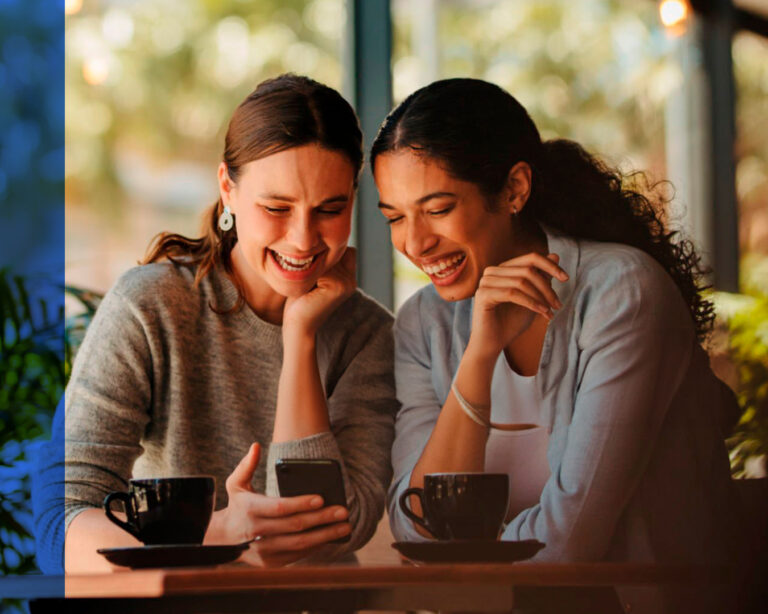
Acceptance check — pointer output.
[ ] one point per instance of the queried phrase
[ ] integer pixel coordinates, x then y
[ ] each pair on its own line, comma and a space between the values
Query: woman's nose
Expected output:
419, 239
302, 233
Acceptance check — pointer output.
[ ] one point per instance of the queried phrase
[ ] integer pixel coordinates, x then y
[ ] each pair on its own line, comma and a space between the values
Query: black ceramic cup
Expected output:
461, 505
166, 510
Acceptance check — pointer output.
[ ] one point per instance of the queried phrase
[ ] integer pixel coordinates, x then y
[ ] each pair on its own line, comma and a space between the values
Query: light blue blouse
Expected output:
639, 470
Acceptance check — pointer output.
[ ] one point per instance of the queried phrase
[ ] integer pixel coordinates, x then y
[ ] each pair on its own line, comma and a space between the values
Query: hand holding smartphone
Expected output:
312, 476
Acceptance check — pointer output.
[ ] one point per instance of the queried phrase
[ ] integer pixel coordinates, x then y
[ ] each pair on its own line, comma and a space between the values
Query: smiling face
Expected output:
442, 223
293, 213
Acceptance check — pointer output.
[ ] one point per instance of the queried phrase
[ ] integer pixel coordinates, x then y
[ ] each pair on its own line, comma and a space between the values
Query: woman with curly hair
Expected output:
559, 341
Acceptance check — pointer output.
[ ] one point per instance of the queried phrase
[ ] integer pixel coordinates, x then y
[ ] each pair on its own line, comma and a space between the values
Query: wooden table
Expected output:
446, 587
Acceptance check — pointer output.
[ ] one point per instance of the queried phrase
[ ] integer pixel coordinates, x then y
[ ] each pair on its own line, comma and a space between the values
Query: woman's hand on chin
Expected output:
281, 530
303, 315
508, 298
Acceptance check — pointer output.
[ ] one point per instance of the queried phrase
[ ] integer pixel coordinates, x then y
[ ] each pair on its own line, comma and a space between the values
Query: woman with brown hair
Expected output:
221, 354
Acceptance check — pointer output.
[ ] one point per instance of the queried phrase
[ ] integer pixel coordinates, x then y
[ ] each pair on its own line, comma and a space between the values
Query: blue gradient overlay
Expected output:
32, 201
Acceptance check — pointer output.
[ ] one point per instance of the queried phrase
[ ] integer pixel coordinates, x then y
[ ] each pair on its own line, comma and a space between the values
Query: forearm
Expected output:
457, 442
89, 531
301, 406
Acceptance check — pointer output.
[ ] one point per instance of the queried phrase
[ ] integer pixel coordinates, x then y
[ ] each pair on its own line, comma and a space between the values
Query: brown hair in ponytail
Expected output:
281, 113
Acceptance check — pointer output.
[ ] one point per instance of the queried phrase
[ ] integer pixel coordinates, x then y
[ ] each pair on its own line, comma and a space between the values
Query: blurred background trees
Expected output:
150, 86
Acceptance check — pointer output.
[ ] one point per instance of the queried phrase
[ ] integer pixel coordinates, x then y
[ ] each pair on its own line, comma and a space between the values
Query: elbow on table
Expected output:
586, 547
403, 530
49, 540
48, 517
570, 551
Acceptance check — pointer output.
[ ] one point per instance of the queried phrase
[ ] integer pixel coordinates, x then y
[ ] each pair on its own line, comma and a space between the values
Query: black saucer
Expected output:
469, 551
174, 555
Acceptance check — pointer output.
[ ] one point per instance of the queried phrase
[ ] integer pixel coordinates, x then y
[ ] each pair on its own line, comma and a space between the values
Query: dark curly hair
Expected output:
478, 132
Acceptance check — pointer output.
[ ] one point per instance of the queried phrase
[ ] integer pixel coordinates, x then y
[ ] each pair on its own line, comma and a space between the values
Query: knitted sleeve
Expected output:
101, 420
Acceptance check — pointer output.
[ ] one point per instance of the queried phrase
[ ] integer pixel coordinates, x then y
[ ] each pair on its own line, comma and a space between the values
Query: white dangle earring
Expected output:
226, 220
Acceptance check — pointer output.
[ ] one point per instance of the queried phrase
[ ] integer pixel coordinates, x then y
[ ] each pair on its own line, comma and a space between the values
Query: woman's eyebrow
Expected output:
423, 199
432, 195
338, 198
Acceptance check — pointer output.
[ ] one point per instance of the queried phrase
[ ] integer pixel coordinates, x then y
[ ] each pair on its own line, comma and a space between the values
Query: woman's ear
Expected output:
225, 185
518, 187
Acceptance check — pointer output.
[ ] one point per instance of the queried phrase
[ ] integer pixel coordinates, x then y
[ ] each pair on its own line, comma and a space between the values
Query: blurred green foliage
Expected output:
31, 370
746, 318
33, 376
34, 369
749, 349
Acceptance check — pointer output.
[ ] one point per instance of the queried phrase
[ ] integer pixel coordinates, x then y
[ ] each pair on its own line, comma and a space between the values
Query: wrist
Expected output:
480, 355
215, 532
298, 338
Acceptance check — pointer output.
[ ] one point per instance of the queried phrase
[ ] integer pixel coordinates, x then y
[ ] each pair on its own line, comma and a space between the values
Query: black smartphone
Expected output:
312, 476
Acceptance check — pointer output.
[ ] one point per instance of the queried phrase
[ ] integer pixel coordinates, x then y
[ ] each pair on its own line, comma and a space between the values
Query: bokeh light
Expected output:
673, 13
117, 27
72, 6
96, 70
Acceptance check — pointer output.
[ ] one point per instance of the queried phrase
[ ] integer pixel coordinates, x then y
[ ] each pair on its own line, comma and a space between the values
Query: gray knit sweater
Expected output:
163, 385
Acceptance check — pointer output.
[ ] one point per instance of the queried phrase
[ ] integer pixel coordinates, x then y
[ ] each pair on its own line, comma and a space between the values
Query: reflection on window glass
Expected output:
750, 62
598, 72
150, 85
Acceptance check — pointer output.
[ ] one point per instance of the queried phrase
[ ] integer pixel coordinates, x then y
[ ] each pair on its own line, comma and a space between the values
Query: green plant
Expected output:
37, 346
32, 372
746, 318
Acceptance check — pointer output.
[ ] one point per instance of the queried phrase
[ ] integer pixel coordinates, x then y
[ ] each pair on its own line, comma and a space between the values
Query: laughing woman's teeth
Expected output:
293, 264
445, 267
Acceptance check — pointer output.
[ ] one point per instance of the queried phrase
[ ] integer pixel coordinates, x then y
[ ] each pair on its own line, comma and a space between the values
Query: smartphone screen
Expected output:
315, 476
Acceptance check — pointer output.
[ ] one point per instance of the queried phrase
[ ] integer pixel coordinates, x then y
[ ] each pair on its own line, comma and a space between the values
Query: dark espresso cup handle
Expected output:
419, 492
126, 499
